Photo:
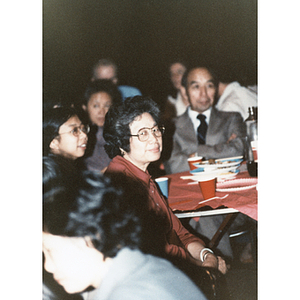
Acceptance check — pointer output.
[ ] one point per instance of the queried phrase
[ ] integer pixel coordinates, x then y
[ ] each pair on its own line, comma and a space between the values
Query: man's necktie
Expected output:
201, 130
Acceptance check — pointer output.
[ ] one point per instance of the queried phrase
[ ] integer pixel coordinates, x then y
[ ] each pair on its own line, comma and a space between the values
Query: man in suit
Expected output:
203, 130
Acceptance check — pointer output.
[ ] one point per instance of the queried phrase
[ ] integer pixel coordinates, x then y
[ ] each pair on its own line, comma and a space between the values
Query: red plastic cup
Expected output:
194, 160
208, 186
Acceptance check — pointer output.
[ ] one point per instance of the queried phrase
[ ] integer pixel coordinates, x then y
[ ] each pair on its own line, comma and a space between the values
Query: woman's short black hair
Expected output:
116, 131
103, 85
109, 211
53, 118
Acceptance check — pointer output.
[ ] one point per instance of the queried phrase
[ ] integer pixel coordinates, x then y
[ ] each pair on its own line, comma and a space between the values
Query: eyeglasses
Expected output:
78, 129
144, 133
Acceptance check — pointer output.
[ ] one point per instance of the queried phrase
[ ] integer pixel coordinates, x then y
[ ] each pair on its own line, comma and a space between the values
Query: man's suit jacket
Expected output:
220, 128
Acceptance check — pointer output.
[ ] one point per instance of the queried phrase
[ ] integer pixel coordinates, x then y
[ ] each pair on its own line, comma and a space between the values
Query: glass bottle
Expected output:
251, 141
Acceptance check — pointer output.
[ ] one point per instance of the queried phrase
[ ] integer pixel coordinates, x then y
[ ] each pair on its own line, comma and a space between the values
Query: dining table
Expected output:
238, 194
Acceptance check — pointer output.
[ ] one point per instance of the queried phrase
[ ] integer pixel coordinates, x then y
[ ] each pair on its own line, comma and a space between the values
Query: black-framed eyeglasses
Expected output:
144, 133
78, 129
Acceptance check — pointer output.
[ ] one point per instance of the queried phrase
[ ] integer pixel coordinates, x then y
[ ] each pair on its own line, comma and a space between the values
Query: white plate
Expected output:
226, 176
227, 162
216, 170
220, 175
236, 185
230, 158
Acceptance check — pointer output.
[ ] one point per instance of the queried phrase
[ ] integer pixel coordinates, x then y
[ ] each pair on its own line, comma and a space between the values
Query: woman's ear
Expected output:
84, 107
54, 145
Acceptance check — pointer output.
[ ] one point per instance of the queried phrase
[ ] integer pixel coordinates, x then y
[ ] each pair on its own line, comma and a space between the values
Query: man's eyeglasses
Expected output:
144, 133
78, 129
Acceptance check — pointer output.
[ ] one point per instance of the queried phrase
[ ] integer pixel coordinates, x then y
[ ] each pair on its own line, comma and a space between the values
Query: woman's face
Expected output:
74, 264
98, 106
67, 144
143, 153
176, 72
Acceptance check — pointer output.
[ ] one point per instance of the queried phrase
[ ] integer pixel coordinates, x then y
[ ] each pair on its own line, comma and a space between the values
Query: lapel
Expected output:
216, 128
213, 118
184, 121
186, 135
186, 127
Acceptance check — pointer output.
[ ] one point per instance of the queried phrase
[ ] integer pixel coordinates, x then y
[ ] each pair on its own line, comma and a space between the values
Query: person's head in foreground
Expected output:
63, 133
88, 222
132, 130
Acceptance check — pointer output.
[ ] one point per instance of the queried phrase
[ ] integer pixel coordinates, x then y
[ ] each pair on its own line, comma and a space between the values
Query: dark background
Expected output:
143, 37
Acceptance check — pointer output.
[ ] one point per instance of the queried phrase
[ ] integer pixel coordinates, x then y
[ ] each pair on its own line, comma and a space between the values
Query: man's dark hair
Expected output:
210, 70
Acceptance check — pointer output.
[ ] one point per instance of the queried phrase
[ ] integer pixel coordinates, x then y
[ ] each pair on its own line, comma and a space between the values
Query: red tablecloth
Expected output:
184, 197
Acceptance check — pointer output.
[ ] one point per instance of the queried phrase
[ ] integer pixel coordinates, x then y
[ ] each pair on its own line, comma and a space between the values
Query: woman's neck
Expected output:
143, 167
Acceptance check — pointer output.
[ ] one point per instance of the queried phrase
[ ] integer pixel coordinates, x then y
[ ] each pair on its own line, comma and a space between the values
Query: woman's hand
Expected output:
210, 259
216, 262
222, 267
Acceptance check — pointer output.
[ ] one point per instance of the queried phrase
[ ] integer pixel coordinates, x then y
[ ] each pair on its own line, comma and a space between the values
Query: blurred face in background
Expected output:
176, 72
98, 106
106, 72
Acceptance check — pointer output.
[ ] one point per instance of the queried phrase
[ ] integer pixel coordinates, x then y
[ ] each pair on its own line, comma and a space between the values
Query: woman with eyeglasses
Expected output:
64, 134
133, 138
64, 143
65, 137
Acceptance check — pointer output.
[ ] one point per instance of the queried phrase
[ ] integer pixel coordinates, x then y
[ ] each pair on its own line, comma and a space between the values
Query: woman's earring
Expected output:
122, 151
